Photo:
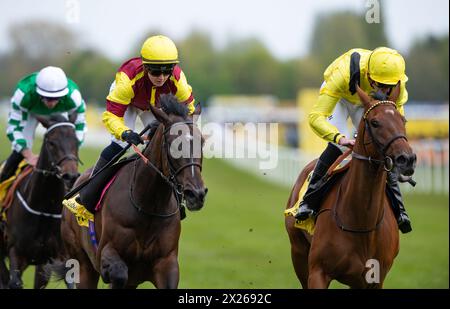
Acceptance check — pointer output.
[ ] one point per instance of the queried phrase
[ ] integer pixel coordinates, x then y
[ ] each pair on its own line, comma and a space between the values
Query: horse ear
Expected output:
395, 93
44, 120
159, 114
364, 97
198, 109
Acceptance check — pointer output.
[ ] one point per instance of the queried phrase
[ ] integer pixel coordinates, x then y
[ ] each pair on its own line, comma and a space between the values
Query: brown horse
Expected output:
138, 226
32, 233
356, 236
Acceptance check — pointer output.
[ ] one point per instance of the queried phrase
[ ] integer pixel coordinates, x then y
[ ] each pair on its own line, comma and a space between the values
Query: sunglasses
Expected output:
157, 71
47, 99
380, 85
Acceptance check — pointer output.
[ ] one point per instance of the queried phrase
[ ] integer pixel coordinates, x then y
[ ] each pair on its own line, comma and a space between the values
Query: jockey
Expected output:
376, 71
140, 82
46, 92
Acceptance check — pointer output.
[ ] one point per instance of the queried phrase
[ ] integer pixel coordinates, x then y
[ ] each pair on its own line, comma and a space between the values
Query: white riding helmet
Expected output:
51, 82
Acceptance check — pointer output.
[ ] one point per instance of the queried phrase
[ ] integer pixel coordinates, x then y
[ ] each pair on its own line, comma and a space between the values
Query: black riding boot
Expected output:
87, 197
98, 166
326, 159
11, 165
393, 189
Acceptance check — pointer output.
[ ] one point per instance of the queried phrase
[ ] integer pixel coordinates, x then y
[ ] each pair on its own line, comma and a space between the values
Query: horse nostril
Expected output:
189, 194
196, 194
401, 160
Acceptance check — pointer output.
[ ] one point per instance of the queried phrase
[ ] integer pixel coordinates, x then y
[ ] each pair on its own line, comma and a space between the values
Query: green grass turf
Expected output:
238, 240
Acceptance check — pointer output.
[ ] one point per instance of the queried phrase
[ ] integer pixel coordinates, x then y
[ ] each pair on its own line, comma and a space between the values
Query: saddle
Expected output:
91, 194
10, 185
336, 170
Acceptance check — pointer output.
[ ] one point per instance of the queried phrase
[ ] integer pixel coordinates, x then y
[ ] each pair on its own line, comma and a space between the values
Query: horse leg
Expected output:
166, 273
318, 279
299, 254
17, 265
41, 277
88, 275
113, 269
4, 274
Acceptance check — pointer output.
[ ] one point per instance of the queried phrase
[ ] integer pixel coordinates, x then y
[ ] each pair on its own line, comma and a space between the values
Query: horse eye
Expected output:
374, 123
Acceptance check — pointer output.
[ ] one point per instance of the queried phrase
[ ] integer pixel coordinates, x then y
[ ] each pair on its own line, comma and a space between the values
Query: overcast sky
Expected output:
284, 26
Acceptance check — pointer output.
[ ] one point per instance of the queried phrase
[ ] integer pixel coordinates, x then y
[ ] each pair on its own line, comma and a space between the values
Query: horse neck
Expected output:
44, 188
362, 193
149, 188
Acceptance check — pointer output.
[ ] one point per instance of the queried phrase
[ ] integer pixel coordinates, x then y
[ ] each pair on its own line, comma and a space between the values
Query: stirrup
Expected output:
82, 215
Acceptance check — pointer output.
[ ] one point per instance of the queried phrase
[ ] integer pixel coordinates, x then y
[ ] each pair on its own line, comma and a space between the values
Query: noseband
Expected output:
381, 149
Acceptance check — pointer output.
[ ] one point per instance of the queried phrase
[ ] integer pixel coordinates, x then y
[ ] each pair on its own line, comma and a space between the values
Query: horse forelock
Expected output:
171, 106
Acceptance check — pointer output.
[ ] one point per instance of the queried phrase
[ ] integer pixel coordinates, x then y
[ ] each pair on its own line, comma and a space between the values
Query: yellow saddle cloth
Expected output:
308, 224
82, 215
5, 185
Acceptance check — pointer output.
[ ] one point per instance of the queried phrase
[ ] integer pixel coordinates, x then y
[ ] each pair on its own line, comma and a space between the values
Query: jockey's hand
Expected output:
132, 137
30, 157
343, 141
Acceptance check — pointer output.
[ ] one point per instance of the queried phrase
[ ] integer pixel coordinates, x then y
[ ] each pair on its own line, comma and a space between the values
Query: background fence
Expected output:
431, 174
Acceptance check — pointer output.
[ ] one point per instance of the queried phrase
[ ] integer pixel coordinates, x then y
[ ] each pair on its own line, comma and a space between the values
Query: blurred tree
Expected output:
35, 44
336, 33
198, 59
41, 40
93, 73
428, 70
251, 67
299, 73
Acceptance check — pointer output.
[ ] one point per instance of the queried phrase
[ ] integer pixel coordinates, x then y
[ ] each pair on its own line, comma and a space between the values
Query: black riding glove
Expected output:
132, 137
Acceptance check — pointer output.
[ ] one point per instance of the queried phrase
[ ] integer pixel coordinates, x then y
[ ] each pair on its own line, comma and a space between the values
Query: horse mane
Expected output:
171, 106
379, 95
58, 118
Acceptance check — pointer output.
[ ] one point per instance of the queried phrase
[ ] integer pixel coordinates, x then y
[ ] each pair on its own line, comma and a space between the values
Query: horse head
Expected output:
382, 133
182, 144
59, 152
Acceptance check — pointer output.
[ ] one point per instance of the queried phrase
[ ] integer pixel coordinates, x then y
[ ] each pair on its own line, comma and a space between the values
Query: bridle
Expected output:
171, 179
55, 165
381, 149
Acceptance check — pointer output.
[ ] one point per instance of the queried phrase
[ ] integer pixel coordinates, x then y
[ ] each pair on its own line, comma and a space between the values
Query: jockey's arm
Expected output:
17, 121
113, 119
318, 118
184, 92
117, 101
80, 118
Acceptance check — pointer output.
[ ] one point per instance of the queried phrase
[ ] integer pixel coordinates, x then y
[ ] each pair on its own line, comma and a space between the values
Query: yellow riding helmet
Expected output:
159, 49
387, 66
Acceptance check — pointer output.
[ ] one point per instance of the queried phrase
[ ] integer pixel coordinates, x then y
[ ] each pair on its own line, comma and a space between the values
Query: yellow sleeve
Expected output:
114, 124
318, 118
184, 92
123, 89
